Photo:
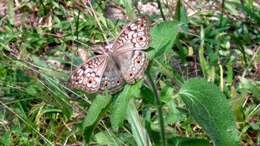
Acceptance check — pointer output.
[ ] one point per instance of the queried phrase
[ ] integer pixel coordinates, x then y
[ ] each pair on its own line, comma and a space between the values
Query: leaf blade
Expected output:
162, 43
209, 107
120, 105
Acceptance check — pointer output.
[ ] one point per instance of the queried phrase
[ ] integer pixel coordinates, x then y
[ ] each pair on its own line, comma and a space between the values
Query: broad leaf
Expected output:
210, 108
163, 37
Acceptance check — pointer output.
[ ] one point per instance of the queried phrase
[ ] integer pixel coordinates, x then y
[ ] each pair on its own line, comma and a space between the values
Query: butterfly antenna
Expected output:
97, 20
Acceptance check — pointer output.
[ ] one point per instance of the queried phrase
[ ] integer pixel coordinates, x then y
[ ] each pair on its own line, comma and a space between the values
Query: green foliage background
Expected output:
201, 86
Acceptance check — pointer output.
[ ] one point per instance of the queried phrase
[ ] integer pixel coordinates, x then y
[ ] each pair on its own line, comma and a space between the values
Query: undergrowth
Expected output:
201, 86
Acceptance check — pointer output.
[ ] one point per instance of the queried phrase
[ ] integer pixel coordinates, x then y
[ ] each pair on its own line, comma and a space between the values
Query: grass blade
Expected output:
140, 135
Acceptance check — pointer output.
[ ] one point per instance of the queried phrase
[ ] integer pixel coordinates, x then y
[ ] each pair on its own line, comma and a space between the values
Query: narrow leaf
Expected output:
11, 13
139, 133
105, 138
203, 62
95, 111
98, 105
181, 16
120, 105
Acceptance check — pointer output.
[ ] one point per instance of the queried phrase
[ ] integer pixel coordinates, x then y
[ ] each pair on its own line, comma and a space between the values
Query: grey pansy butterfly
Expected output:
124, 61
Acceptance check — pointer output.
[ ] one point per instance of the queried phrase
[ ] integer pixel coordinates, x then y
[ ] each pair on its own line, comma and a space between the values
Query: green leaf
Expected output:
31, 90
129, 7
203, 62
121, 103
174, 115
97, 107
60, 98
181, 16
11, 12
96, 110
137, 126
105, 138
194, 142
184, 141
6, 139
237, 101
166, 93
163, 37
251, 11
250, 86
210, 108
39, 62
230, 72
167, 70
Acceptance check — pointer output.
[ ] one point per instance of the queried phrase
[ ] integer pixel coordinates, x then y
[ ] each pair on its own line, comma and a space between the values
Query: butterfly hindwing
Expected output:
132, 65
112, 79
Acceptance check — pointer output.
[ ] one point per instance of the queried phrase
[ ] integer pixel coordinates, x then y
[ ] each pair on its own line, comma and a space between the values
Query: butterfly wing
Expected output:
126, 62
87, 77
135, 36
132, 65
99, 73
127, 50
112, 79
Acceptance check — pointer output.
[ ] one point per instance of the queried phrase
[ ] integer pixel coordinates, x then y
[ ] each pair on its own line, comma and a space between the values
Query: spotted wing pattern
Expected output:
124, 62
98, 74
132, 65
135, 36
128, 49
87, 77
112, 79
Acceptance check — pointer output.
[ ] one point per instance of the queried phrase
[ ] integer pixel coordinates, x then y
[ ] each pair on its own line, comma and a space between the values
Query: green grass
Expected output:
202, 86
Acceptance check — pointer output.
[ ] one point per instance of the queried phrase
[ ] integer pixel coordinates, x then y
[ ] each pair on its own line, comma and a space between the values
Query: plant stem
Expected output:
77, 28
160, 7
159, 109
222, 12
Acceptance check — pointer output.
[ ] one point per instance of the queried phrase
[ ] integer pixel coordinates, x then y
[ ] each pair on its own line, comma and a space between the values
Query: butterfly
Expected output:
122, 62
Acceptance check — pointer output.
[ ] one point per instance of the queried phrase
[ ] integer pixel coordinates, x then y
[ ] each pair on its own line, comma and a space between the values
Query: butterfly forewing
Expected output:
87, 77
127, 49
135, 36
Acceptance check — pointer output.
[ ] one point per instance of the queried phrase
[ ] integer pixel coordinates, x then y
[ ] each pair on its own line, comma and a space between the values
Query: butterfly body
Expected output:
123, 62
